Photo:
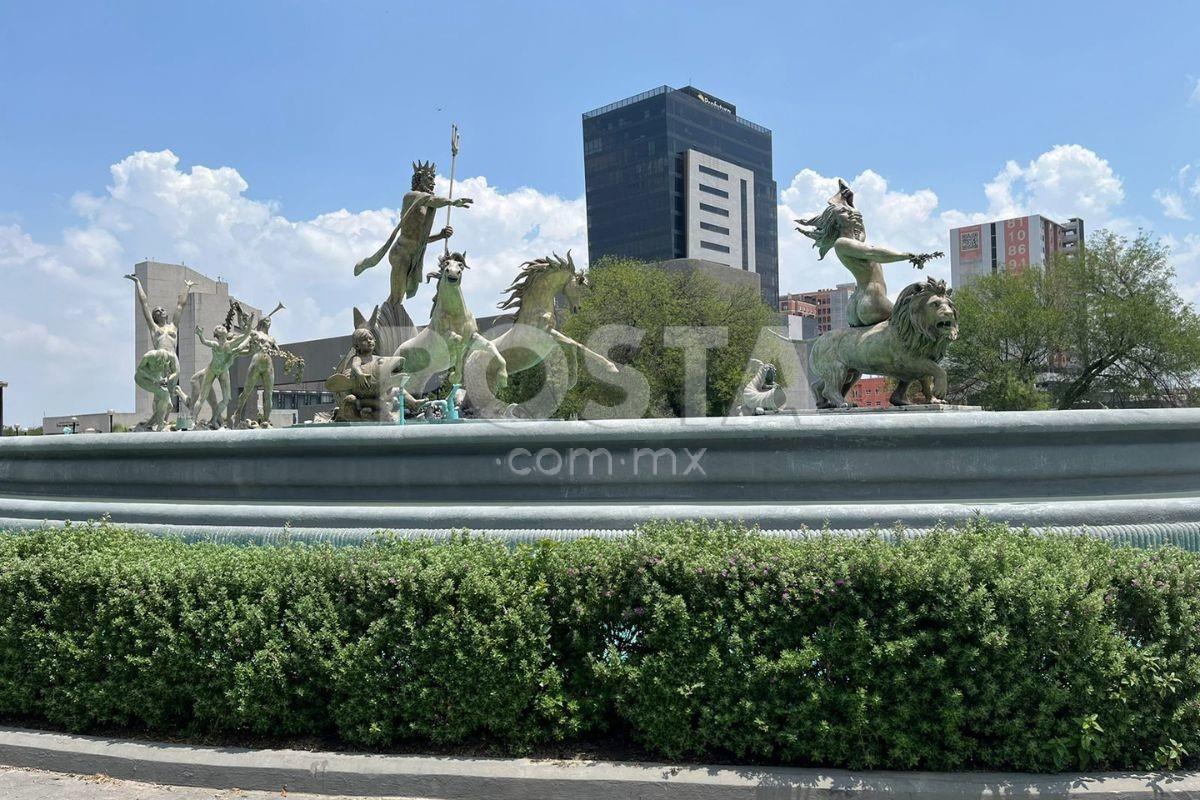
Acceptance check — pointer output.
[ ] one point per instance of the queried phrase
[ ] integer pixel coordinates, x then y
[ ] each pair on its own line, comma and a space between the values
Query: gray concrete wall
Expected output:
851, 471
723, 274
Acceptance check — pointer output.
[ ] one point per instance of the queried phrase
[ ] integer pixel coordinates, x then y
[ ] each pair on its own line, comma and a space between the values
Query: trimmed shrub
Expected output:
976, 648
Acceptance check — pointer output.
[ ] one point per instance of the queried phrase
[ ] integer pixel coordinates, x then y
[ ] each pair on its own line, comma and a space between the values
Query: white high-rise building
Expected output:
1010, 245
719, 211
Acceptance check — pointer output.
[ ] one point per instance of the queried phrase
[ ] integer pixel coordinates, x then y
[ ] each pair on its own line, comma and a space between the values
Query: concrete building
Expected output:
99, 422
677, 174
1010, 245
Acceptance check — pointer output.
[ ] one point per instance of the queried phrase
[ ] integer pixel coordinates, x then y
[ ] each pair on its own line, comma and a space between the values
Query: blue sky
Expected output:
281, 116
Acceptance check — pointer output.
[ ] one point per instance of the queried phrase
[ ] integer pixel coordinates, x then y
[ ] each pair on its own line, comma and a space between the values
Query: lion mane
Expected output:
920, 336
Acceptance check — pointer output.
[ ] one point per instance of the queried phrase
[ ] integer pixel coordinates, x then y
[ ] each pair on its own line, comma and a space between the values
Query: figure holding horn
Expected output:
261, 372
405, 248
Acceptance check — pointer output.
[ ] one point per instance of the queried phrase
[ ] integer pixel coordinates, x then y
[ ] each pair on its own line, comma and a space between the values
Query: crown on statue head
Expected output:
424, 169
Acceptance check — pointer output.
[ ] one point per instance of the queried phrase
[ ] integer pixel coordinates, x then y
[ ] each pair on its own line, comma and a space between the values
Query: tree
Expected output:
1106, 326
1009, 326
650, 299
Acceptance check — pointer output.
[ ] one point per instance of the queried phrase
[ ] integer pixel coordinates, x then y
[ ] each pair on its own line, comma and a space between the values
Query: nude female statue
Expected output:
840, 228
261, 372
158, 370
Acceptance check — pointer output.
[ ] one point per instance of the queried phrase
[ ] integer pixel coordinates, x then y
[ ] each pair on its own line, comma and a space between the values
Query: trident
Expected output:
450, 196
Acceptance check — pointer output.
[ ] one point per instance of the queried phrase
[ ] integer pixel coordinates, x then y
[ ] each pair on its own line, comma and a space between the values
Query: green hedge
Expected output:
980, 648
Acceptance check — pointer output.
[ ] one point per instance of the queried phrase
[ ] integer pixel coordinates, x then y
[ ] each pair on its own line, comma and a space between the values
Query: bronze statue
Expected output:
452, 335
225, 349
261, 372
762, 394
405, 248
534, 333
158, 369
840, 228
366, 385
906, 347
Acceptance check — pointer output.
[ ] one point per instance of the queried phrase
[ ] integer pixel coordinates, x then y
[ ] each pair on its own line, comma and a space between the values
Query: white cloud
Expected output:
1175, 199
1172, 204
1194, 98
1065, 181
66, 314
1185, 260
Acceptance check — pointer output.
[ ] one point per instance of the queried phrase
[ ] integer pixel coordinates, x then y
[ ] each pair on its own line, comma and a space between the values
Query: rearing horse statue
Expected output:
533, 335
452, 334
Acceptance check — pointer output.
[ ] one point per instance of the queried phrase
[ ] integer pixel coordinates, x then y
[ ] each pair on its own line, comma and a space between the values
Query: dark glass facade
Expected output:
634, 175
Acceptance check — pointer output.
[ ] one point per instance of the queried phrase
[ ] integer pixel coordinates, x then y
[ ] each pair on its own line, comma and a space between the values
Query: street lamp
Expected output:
3, 384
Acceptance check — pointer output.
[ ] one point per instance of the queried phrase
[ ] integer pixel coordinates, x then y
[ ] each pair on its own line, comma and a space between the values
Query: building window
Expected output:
721, 212
720, 248
745, 231
713, 172
713, 191
708, 226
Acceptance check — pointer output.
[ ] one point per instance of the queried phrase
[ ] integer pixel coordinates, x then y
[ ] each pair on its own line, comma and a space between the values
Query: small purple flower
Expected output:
839, 582
639, 610
724, 573
784, 596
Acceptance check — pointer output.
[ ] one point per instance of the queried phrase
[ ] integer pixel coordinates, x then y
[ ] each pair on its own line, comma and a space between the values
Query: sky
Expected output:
270, 143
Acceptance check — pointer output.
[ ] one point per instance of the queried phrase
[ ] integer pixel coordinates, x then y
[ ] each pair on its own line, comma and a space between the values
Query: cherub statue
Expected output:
366, 385
158, 369
225, 351
840, 227
405, 248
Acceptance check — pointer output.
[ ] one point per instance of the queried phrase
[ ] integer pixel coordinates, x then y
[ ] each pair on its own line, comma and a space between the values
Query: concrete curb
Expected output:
522, 779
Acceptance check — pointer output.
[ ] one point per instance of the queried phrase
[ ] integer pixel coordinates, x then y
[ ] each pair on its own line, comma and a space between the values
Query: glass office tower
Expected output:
670, 173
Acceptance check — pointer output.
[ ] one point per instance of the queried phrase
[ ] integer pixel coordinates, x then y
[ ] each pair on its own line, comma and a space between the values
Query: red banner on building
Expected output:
1016, 244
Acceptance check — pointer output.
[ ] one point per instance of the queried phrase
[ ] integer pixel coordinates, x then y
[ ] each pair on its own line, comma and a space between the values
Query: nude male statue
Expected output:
840, 228
158, 370
225, 351
405, 248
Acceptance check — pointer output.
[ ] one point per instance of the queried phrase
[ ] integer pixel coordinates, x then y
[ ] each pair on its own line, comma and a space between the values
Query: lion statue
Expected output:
906, 347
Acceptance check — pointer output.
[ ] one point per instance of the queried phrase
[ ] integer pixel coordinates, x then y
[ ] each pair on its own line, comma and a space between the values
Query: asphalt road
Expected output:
24, 784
